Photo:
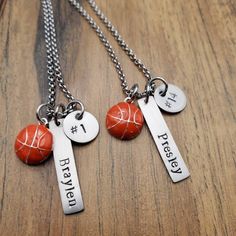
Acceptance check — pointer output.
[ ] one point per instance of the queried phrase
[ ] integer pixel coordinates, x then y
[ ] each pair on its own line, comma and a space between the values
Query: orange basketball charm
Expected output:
34, 144
124, 121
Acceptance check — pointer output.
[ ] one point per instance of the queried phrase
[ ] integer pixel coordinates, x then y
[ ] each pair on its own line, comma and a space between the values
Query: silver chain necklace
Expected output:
124, 120
54, 72
58, 125
124, 84
117, 36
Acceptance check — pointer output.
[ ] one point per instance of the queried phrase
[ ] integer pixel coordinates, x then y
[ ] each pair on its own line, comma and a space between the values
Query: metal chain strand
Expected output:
53, 62
111, 52
50, 67
56, 61
117, 36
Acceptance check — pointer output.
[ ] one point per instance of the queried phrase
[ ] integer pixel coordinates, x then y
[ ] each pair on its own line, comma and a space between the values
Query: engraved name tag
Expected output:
165, 143
67, 177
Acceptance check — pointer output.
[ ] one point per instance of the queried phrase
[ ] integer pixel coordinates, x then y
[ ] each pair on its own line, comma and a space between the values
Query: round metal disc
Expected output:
81, 129
174, 101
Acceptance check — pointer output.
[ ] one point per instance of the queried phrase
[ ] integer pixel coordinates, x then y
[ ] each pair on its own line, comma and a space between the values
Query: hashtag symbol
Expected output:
74, 129
168, 104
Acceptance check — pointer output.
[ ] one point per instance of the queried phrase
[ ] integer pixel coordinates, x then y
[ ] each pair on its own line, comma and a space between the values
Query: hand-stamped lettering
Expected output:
67, 176
179, 171
82, 126
174, 100
168, 153
74, 129
64, 162
72, 203
164, 141
70, 195
67, 180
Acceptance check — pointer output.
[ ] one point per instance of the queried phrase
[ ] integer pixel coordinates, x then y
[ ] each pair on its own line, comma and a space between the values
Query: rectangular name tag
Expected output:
67, 177
164, 141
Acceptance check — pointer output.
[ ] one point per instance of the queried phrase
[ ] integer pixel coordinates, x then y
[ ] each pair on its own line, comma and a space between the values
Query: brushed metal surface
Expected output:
164, 141
67, 176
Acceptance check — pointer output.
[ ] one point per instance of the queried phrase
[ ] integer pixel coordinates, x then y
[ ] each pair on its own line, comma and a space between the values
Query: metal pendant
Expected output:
67, 176
164, 141
81, 129
173, 102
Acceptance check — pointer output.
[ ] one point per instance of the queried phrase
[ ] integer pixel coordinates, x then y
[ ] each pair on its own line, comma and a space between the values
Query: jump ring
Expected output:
133, 91
164, 82
129, 99
150, 87
59, 114
74, 102
42, 120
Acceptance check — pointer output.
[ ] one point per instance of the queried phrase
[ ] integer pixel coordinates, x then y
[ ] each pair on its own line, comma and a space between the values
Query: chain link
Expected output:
53, 63
111, 52
117, 36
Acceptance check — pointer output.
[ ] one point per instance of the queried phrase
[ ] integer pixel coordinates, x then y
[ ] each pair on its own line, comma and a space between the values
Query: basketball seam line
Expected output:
117, 118
127, 122
27, 145
31, 145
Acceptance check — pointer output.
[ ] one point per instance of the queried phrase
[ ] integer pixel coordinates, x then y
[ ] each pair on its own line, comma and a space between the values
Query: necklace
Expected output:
58, 125
125, 120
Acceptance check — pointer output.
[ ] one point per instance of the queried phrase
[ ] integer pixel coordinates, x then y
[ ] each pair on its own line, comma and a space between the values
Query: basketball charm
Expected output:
34, 144
124, 121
